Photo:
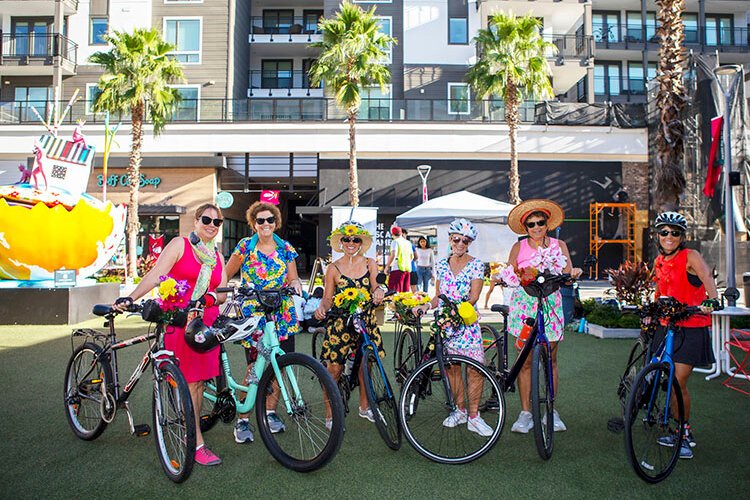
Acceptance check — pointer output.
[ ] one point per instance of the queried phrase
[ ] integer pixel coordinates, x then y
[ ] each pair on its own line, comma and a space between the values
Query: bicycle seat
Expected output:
500, 308
102, 309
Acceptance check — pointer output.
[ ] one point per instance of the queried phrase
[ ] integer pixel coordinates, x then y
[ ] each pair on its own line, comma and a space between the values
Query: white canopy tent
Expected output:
490, 216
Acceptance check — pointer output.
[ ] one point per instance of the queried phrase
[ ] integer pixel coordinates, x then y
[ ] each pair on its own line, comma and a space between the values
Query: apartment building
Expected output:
251, 120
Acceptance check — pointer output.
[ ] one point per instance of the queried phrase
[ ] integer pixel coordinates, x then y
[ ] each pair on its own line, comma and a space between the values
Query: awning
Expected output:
158, 209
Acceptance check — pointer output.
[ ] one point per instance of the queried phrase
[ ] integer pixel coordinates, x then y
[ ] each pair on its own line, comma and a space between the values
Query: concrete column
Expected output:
701, 23
588, 32
57, 57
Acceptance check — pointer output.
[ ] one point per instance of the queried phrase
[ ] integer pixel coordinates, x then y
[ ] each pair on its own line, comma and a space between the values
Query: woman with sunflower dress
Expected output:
344, 278
265, 261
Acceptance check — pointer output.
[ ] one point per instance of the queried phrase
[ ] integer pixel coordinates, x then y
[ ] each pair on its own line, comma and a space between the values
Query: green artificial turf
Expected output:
42, 457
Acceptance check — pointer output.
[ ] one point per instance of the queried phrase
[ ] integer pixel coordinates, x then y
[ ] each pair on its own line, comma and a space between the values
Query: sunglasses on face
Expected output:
270, 220
458, 239
347, 239
532, 223
206, 220
667, 232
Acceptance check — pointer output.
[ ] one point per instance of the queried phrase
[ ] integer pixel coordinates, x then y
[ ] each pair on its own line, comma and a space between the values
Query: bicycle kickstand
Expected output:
138, 430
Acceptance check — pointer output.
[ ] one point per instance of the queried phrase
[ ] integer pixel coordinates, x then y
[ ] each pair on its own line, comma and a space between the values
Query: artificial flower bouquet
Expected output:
351, 299
173, 300
546, 261
403, 303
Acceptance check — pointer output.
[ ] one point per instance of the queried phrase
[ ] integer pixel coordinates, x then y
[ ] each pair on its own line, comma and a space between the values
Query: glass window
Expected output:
92, 92
26, 97
634, 27
606, 26
458, 30
157, 225
691, 27
310, 20
458, 99
187, 108
278, 21
99, 28
385, 27
185, 35
276, 74
376, 104
718, 30
607, 79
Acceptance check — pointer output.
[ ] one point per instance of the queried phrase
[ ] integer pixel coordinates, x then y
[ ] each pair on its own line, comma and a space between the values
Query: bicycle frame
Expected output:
359, 327
664, 355
509, 377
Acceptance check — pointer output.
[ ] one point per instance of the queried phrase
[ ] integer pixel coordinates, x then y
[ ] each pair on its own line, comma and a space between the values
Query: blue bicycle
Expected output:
655, 413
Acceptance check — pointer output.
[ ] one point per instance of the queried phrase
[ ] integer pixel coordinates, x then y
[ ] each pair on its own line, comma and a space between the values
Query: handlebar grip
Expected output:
227, 289
390, 293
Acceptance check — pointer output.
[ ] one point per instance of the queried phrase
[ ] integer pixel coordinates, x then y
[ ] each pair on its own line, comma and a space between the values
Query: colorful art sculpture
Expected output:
48, 222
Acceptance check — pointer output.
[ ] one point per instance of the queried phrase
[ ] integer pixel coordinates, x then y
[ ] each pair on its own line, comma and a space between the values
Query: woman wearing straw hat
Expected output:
352, 270
534, 218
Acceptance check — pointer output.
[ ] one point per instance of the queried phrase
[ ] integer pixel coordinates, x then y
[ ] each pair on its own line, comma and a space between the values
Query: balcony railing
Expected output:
722, 39
280, 79
620, 88
571, 46
35, 46
284, 27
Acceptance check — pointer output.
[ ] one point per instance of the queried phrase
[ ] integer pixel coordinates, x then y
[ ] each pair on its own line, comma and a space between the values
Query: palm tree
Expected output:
670, 101
512, 64
353, 56
136, 79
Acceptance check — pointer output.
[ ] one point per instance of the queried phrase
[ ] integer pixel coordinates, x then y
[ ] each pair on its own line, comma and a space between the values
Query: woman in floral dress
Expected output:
460, 278
534, 218
265, 261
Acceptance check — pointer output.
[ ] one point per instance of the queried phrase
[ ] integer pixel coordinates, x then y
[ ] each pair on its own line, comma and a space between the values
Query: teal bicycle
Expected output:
296, 383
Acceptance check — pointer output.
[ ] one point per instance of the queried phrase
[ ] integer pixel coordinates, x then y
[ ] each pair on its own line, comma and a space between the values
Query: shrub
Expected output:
629, 321
604, 315
631, 282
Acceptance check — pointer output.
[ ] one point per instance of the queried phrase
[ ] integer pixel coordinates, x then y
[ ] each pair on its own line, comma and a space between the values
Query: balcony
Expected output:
615, 89
721, 39
280, 83
290, 30
22, 8
34, 54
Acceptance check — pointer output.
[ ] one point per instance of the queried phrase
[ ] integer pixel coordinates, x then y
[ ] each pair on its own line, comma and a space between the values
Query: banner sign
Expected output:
123, 181
269, 196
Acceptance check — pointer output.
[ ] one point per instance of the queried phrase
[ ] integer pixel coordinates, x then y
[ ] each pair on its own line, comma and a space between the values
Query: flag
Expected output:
714, 167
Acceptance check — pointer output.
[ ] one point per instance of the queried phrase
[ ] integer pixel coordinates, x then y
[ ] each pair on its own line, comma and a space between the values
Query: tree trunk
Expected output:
353, 178
134, 175
670, 101
513, 119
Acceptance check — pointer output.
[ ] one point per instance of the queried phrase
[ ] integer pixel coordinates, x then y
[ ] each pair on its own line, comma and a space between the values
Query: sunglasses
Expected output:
539, 223
667, 232
347, 239
458, 239
206, 220
270, 220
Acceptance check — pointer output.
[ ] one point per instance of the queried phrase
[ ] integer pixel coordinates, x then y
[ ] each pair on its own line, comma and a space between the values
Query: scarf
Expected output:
206, 254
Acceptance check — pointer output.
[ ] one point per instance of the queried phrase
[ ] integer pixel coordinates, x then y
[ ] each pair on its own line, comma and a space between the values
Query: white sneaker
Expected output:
367, 415
478, 425
456, 418
329, 423
556, 422
524, 423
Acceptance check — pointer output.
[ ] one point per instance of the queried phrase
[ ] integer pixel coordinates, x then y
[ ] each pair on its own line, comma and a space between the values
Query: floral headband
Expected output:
350, 228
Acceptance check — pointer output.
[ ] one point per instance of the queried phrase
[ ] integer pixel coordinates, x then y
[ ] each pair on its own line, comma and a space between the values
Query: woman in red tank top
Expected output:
682, 273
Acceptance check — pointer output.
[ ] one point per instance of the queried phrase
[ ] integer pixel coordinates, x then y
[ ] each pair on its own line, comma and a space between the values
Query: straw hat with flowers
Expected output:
517, 216
352, 229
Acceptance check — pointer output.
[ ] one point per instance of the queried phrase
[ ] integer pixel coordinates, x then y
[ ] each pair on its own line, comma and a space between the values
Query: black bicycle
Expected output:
93, 394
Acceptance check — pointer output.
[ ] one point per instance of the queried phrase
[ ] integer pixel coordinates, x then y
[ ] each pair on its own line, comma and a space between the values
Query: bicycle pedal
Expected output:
141, 430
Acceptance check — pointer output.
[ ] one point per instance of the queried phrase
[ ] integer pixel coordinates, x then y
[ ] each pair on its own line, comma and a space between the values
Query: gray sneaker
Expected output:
275, 423
243, 433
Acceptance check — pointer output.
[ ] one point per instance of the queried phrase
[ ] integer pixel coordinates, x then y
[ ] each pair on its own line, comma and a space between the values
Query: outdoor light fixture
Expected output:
729, 77
424, 171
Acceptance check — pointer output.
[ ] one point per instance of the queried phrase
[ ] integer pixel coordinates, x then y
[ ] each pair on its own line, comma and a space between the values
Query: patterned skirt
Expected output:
523, 306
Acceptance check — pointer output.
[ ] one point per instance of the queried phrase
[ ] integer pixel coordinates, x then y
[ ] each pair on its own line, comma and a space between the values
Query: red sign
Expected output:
268, 196
155, 244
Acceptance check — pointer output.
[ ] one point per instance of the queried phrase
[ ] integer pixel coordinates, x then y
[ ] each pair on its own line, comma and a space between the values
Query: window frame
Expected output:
385, 96
652, 23
608, 78
389, 52
89, 107
197, 100
264, 78
188, 2
466, 25
176, 52
451, 100
618, 26
91, 30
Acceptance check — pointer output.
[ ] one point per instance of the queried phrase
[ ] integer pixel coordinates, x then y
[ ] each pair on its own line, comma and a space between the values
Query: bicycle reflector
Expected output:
200, 337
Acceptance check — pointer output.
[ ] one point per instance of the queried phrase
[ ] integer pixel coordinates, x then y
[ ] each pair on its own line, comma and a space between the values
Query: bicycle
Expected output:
430, 398
380, 395
655, 400
537, 345
303, 383
93, 393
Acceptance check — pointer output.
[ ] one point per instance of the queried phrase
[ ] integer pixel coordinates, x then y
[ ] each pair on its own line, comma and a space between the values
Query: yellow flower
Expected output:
345, 337
333, 339
365, 295
350, 230
338, 300
167, 288
350, 293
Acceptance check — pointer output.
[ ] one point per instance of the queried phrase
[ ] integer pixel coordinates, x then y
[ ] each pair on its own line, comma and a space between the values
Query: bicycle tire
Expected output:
85, 378
493, 346
381, 399
317, 345
637, 360
174, 422
309, 445
542, 404
211, 412
644, 424
422, 412
407, 355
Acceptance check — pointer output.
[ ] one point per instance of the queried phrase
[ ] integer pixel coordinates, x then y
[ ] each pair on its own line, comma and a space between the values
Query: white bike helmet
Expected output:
670, 219
463, 227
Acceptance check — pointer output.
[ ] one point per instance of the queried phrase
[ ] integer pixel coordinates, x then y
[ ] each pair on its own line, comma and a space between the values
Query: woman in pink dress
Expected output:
197, 260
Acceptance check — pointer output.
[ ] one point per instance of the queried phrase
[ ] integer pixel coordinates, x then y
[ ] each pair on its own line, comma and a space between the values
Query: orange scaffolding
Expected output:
627, 216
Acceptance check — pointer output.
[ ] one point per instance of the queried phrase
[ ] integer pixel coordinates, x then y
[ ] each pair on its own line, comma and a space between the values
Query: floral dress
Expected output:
341, 339
267, 271
466, 340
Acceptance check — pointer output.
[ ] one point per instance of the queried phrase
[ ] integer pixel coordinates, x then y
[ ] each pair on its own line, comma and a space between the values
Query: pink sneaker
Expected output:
204, 456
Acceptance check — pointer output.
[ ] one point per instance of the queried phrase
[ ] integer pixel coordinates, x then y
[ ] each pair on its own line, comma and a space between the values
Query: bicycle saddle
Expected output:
500, 308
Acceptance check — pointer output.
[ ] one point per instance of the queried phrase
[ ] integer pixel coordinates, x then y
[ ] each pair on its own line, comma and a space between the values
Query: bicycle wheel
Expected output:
407, 356
307, 443
381, 399
174, 422
492, 346
637, 359
86, 396
542, 404
222, 409
424, 410
317, 345
648, 418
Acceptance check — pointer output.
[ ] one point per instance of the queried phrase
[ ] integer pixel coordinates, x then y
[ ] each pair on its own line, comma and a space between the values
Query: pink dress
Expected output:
195, 366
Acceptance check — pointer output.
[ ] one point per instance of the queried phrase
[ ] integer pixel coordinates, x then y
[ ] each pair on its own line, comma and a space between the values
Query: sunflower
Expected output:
345, 337
350, 230
350, 293
334, 339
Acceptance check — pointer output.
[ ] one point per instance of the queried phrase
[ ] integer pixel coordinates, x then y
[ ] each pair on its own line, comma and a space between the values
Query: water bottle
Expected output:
349, 363
528, 325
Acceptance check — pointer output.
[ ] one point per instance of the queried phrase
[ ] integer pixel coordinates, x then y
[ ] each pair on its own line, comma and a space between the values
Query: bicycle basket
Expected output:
151, 311
536, 289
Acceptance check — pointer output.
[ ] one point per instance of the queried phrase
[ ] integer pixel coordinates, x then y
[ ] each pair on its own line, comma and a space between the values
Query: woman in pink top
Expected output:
196, 259
534, 218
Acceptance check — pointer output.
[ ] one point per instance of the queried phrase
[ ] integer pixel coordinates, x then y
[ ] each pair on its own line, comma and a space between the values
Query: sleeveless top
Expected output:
526, 253
671, 277
363, 281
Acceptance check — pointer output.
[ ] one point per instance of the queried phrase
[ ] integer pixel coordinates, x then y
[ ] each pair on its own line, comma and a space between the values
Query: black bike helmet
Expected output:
670, 219
200, 337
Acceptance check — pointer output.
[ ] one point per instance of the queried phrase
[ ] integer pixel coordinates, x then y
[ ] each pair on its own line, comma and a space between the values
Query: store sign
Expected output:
269, 196
124, 180
224, 199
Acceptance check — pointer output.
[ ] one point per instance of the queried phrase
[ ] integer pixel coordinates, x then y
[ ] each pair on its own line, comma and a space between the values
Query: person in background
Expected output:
196, 259
311, 306
425, 261
398, 266
494, 281
682, 274
413, 271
